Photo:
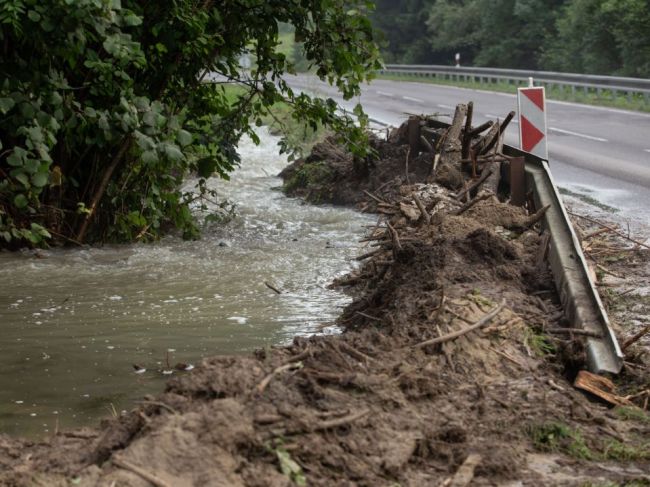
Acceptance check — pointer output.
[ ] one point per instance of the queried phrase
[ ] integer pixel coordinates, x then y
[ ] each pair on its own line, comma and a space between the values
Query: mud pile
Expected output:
447, 372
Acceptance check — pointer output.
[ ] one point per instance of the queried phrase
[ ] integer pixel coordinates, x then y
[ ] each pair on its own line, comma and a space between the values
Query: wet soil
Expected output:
404, 395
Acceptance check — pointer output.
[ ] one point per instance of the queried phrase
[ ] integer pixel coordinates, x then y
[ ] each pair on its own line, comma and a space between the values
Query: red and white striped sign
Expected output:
532, 121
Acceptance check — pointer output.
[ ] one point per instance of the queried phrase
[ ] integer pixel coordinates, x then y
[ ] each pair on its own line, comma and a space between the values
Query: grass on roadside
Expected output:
605, 98
281, 122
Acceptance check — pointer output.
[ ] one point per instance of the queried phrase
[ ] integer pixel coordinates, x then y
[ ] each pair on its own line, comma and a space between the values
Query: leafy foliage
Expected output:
104, 108
590, 36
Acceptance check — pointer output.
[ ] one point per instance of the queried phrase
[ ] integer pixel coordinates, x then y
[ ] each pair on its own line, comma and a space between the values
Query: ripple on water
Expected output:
97, 313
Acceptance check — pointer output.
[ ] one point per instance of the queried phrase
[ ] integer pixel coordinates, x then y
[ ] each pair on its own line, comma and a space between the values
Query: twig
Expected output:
360, 356
378, 200
471, 203
607, 271
613, 230
451, 336
426, 143
368, 316
474, 185
283, 368
369, 254
272, 287
423, 210
408, 153
148, 476
334, 423
635, 338
159, 404
396, 243
508, 357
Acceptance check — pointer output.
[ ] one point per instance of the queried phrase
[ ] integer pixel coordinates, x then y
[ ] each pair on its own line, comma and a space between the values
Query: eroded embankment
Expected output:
405, 395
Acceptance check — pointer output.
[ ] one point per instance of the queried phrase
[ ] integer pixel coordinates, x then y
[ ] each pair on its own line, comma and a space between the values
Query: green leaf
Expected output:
132, 19
40, 179
20, 200
33, 16
173, 152
150, 157
184, 138
17, 157
22, 178
206, 167
6, 104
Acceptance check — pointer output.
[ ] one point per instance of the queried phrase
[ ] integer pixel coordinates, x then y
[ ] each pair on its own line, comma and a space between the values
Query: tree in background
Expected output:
104, 112
602, 37
590, 36
497, 33
403, 25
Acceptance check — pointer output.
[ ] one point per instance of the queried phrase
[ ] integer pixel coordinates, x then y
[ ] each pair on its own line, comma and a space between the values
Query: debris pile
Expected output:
453, 368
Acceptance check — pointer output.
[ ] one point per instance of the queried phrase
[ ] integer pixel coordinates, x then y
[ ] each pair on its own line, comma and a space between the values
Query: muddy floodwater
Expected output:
75, 321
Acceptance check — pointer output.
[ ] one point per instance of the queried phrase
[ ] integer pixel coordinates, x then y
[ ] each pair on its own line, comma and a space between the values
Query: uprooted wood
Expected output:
451, 336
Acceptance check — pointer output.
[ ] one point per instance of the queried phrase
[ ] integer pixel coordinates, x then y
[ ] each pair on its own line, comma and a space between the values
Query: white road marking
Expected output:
410, 98
446, 106
576, 134
383, 93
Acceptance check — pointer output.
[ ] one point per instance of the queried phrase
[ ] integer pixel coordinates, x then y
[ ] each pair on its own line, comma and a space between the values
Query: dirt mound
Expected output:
447, 373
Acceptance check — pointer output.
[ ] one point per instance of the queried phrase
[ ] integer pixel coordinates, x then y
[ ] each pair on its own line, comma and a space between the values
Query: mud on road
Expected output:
405, 395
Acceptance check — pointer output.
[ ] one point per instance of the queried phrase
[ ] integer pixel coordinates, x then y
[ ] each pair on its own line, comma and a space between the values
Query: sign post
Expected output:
532, 121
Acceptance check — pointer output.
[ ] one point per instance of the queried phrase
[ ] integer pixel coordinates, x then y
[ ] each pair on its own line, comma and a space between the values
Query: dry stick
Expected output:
370, 254
575, 331
378, 200
408, 153
266, 381
468, 205
426, 143
423, 210
272, 287
360, 356
467, 138
396, 243
607, 271
334, 423
474, 185
374, 318
635, 338
102, 188
159, 404
450, 336
481, 128
613, 230
148, 476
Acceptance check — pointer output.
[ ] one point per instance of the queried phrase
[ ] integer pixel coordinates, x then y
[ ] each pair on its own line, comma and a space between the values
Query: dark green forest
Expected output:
610, 37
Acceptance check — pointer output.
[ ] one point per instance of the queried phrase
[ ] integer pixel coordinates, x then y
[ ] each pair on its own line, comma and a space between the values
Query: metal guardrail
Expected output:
580, 300
574, 82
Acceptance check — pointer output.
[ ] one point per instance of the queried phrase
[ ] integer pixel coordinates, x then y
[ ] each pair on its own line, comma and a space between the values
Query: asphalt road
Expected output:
602, 150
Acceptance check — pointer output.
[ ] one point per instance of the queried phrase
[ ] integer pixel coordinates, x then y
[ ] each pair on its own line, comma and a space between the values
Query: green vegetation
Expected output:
538, 343
604, 98
632, 414
313, 176
558, 437
585, 36
105, 108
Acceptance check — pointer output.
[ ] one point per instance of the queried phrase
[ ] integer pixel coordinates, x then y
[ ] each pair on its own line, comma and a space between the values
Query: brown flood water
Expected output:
74, 321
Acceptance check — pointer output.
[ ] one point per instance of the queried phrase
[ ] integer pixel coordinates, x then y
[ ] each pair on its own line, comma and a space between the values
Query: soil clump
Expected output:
405, 395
